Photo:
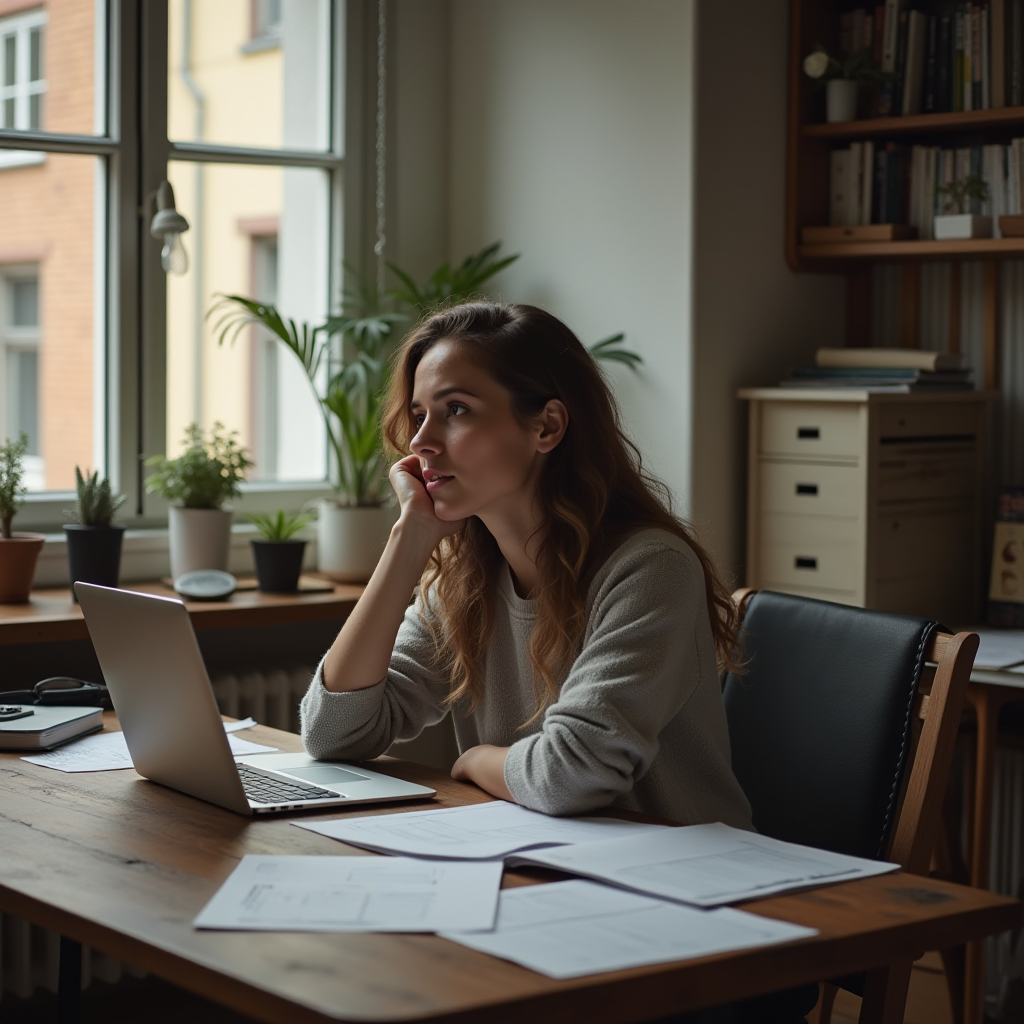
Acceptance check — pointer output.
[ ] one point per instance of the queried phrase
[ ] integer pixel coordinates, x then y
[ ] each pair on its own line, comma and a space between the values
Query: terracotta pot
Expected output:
18, 556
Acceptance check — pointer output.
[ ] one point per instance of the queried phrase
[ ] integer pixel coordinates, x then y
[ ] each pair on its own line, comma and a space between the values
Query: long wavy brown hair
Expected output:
593, 491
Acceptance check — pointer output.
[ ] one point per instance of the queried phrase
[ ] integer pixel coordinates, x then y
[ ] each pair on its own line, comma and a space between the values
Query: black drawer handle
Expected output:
805, 563
807, 489
808, 433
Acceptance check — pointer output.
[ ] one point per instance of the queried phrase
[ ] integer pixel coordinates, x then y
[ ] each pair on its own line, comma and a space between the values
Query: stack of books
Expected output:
896, 370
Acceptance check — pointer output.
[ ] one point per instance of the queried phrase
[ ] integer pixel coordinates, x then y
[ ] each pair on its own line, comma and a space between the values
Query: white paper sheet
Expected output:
475, 832
107, 751
568, 929
354, 894
706, 865
999, 648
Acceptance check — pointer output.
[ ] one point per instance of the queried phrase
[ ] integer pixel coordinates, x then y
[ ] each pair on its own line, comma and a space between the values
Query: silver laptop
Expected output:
162, 695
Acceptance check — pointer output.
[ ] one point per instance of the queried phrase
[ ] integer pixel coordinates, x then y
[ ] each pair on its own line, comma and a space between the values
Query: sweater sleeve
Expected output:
639, 665
362, 724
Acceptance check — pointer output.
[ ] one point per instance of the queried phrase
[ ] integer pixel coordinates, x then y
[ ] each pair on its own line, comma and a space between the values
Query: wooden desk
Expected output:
124, 865
51, 615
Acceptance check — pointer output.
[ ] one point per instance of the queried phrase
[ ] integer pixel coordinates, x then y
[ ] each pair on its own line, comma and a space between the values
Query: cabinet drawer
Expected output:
821, 552
908, 474
808, 488
953, 420
811, 429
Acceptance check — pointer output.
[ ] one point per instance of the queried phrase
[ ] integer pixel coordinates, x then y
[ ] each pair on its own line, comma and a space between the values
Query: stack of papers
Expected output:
656, 893
1000, 649
493, 829
107, 751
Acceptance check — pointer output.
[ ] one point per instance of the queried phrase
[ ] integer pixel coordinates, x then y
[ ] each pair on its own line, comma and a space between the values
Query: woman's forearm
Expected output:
485, 765
360, 655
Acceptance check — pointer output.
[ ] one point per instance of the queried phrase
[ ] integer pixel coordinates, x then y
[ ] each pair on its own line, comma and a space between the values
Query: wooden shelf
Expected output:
972, 248
919, 124
51, 615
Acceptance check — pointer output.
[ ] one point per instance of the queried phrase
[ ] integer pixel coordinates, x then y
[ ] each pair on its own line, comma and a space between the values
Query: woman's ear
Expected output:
552, 421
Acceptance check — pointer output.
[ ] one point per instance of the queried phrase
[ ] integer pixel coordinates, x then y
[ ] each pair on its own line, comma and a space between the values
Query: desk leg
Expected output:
69, 981
986, 706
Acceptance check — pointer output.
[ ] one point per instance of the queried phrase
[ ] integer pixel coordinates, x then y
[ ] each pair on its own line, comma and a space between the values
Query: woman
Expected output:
573, 627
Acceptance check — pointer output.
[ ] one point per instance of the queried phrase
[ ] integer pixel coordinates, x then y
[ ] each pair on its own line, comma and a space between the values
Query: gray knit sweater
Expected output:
638, 723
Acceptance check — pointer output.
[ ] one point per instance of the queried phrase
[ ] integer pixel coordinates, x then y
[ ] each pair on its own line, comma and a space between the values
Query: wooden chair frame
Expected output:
938, 705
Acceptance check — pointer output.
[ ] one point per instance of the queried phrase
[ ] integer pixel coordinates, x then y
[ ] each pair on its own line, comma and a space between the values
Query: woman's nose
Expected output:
425, 441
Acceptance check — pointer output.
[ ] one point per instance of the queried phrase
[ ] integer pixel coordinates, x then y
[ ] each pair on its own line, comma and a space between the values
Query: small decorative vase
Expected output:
278, 564
840, 100
94, 554
199, 539
351, 539
18, 556
962, 225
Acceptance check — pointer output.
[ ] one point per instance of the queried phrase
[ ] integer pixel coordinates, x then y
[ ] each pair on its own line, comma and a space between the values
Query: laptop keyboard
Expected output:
265, 790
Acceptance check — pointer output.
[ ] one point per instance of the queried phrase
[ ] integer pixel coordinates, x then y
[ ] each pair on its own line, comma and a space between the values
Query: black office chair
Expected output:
824, 744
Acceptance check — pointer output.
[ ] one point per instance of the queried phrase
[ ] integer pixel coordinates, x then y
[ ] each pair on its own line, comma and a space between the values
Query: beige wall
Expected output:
752, 316
570, 126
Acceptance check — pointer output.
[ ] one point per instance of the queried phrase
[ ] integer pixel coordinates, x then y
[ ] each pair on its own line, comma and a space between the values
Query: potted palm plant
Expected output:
18, 551
278, 553
345, 360
199, 482
93, 538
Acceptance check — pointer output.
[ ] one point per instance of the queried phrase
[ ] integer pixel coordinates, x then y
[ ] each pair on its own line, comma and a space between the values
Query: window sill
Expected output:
144, 556
12, 158
261, 43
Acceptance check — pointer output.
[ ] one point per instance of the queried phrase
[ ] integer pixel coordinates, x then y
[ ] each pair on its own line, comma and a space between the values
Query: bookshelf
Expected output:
810, 142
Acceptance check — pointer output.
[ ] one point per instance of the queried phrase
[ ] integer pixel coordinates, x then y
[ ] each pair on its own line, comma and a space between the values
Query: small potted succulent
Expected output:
199, 482
278, 553
18, 551
93, 538
956, 220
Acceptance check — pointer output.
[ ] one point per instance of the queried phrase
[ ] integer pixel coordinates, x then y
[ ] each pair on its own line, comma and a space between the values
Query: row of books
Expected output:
892, 183
940, 56
901, 371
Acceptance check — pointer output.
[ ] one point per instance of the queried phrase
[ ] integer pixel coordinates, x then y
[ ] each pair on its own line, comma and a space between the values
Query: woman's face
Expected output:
475, 456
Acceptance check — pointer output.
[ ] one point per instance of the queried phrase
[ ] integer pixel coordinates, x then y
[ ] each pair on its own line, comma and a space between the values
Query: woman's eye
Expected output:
457, 408
418, 420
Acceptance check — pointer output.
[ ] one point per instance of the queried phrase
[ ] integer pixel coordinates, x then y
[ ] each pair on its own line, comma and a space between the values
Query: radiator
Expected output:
29, 955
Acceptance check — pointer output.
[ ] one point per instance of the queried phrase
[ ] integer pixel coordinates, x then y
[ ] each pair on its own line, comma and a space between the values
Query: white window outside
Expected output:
22, 79
19, 363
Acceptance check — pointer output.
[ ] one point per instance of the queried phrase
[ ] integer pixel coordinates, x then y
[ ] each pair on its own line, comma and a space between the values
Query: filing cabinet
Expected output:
868, 498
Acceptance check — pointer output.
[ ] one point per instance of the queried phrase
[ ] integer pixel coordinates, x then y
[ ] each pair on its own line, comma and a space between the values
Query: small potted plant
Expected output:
844, 77
957, 221
18, 551
278, 553
93, 538
199, 482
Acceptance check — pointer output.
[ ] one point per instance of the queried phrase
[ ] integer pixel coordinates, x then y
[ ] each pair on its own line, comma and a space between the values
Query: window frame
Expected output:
131, 369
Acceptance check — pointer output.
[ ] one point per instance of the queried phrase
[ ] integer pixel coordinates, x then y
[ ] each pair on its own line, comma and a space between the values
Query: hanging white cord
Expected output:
381, 140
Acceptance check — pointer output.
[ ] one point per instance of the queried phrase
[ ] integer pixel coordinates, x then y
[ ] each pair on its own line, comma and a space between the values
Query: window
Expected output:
22, 85
266, 24
104, 358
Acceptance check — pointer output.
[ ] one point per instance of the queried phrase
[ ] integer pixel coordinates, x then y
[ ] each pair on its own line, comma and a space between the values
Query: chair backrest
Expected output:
821, 724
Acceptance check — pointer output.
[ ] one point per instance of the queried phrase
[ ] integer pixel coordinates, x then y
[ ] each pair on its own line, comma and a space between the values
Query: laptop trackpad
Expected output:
326, 775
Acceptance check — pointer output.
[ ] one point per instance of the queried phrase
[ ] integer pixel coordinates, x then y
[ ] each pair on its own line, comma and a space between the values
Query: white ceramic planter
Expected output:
840, 100
350, 540
199, 539
962, 225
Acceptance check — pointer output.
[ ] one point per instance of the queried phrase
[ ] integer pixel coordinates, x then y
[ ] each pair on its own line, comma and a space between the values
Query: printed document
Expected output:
475, 832
1000, 649
354, 894
706, 865
107, 751
568, 929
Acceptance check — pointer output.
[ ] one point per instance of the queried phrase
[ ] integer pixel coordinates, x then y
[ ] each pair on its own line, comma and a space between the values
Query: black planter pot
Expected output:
278, 564
94, 554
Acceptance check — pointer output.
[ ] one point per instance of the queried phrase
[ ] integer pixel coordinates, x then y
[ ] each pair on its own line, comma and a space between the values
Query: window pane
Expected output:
25, 302
51, 326
261, 232
229, 83
51, 51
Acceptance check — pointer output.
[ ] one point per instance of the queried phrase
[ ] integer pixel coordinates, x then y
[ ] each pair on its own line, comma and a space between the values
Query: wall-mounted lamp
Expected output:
169, 225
